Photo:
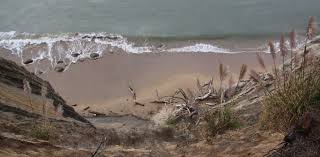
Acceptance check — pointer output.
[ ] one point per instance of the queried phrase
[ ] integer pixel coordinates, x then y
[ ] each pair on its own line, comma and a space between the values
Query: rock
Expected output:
86, 108
86, 37
28, 61
94, 55
160, 46
13, 75
60, 62
75, 54
39, 72
59, 69
112, 37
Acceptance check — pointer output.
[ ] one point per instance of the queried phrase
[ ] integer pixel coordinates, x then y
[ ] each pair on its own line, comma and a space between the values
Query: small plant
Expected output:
219, 121
43, 132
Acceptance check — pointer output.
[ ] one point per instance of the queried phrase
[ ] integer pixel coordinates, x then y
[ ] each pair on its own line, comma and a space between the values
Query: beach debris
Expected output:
60, 62
59, 69
28, 61
112, 37
97, 114
75, 55
94, 55
134, 95
101, 146
39, 72
86, 108
139, 104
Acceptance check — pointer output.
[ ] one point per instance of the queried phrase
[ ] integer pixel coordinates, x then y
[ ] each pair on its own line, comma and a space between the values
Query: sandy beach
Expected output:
102, 84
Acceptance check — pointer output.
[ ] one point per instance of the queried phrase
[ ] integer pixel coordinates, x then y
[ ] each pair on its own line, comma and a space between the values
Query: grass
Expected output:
287, 103
219, 121
43, 132
297, 91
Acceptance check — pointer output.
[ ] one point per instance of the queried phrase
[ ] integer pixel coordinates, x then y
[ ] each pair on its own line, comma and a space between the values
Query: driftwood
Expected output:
134, 96
133, 93
139, 104
86, 108
204, 97
96, 152
97, 113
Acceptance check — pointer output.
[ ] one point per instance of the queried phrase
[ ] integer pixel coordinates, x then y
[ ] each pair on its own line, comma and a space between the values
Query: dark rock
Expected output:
28, 61
86, 108
160, 46
100, 37
86, 37
112, 37
12, 74
60, 62
75, 54
81, 59
94, 55
59, 69
39, 72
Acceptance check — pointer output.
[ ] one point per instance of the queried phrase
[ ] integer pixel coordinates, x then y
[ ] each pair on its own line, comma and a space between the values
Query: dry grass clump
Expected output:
298, 91
218, 121
286, 104
43, 132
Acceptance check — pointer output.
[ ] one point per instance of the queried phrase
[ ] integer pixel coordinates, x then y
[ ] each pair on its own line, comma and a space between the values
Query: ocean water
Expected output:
55, 30
215, 18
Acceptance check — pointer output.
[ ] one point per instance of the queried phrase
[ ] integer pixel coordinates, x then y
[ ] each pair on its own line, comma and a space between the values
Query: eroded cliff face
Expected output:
13, 75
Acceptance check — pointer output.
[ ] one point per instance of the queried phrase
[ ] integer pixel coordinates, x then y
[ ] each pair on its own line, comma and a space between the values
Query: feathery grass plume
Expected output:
157, 94
44, 92
312, 28
223, 74
27, 91
261, 62
293, 45
231, 90
243, 71
255, 76
284, 52
231, 81
282, 45
274, 57
272, 50
199, 86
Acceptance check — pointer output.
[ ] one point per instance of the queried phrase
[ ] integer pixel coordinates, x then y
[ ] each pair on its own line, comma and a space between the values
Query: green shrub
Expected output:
219, 121
291, 98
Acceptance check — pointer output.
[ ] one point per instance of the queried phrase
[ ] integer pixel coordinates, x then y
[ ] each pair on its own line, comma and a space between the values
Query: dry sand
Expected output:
103, 84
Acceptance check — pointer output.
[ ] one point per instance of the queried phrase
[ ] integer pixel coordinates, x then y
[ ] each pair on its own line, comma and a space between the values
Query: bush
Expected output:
43, 132
219, 121
291, 98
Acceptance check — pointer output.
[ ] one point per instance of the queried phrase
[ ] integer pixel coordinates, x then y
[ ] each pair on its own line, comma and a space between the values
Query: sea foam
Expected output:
57, 48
